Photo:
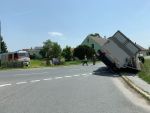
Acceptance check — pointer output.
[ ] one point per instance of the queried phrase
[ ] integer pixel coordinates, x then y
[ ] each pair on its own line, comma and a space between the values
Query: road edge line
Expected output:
136, 88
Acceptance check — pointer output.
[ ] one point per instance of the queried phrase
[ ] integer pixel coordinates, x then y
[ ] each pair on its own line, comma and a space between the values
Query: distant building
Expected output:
143, 50
95, 41
34, 51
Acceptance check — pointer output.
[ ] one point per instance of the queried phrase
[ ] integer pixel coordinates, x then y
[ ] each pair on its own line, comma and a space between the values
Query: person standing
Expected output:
94, 59
85, 61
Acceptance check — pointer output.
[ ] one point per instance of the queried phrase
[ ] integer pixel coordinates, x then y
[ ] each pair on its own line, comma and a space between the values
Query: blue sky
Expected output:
28, 23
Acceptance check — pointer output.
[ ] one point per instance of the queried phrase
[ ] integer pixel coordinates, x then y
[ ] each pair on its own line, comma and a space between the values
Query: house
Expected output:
95, 41
143, 51
34, 52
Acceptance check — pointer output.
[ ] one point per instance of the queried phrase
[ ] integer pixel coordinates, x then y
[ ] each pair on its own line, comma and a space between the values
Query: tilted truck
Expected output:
119, 52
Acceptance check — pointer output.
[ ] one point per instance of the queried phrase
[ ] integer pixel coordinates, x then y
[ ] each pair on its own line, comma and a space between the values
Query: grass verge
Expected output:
37, 63
145, 73
42, 63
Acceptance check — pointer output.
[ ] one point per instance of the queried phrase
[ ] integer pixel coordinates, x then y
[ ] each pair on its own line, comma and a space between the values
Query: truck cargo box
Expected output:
120, 52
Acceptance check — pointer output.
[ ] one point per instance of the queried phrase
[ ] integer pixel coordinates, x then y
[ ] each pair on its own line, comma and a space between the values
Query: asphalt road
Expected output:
73, 89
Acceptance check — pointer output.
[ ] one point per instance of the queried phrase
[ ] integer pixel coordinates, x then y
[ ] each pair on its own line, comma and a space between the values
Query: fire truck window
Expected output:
10, 57
15, 56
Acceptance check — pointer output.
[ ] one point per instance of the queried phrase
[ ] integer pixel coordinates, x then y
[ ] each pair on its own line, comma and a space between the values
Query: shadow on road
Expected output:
104, 71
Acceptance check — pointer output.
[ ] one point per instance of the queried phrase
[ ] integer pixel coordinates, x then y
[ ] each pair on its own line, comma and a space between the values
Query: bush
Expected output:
83, 50
67, 53
62, 61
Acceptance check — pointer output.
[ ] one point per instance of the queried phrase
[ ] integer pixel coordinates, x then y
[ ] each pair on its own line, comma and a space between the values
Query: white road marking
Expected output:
48, 79
68, 76
58, 77
90, 73
33, 73
84, 74
76, 75
5, 85
21, 83
34, 81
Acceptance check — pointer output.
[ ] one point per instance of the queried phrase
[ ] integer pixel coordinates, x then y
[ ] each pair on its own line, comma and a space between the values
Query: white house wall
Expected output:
91, 41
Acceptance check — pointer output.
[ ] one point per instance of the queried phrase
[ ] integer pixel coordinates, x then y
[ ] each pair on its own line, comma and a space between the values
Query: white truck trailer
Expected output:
120, 52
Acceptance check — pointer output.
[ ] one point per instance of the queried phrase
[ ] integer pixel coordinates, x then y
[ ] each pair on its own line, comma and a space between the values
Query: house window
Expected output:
92, 45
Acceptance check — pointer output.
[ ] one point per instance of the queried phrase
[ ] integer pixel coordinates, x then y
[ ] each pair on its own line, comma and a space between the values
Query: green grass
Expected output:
37, 63
33, 64
42, 63
145, 73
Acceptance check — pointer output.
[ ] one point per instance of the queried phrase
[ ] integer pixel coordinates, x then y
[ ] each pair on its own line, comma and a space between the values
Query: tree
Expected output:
47, 48
50, 50
56, 50
3, 45
67, 53
148, 53
33, 56
83, 50
42, 53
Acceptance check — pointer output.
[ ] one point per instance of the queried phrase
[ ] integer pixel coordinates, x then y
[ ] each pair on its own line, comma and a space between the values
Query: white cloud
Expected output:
55, 34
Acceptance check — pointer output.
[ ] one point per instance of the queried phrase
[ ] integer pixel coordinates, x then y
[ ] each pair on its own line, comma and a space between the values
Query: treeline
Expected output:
3, 46
52, 50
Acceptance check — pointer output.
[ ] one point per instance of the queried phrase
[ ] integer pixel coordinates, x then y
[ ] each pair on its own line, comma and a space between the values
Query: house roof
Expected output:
98, 39
141, 48
38, 48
